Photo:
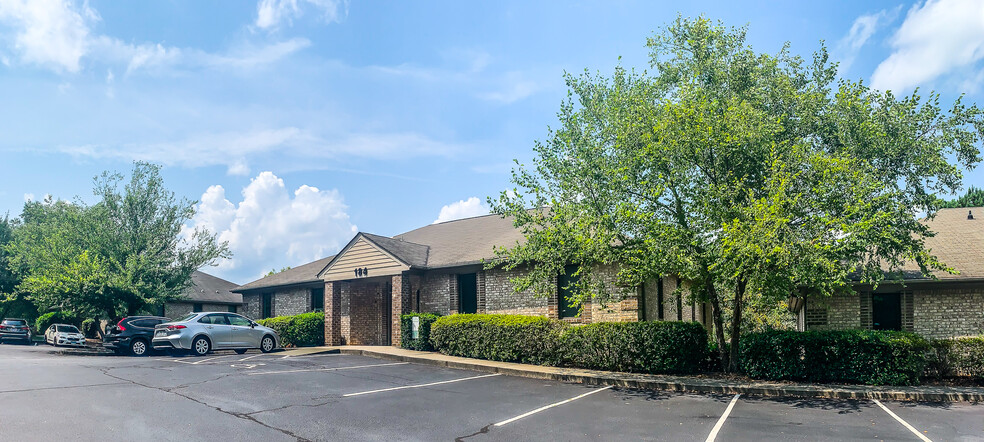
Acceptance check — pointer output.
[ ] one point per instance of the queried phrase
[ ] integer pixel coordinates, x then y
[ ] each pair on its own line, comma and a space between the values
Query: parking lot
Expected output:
275, 396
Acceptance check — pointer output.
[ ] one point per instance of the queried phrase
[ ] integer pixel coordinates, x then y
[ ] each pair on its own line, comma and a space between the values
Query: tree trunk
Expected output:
736, 324
712, 295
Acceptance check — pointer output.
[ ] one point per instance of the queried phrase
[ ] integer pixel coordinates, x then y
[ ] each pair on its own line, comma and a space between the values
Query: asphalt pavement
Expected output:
46, 396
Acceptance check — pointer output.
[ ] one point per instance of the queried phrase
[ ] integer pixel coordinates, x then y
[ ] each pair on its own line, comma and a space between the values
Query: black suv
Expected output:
12, 329
132, 334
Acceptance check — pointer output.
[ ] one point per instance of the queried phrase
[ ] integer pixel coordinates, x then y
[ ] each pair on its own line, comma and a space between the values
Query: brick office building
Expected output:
950, 305
206, 293
437, 268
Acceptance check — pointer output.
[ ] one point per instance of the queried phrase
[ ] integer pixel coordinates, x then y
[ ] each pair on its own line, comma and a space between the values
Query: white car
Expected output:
64, 334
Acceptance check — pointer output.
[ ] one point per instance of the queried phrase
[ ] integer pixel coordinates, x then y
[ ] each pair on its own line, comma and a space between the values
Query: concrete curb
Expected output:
681, 383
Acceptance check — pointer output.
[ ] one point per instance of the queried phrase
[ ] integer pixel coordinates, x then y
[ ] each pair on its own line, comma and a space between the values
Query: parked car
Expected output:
64, 334
206, 331
13, 329
132, 334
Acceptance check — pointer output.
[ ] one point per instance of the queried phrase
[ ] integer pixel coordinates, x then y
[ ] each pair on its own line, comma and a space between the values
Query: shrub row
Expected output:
851, 356
304, 330
957, 357
507, 338
646, 347
422, 343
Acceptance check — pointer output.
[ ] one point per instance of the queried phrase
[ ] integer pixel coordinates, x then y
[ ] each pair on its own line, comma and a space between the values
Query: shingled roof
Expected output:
464, 241
209, 289
959, 243
303, 274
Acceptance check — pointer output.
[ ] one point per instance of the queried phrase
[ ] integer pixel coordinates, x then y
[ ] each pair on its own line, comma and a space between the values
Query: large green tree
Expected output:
746, 174
116, 257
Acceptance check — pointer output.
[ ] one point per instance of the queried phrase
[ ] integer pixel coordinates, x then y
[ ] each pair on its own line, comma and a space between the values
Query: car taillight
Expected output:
175, 327
120, 326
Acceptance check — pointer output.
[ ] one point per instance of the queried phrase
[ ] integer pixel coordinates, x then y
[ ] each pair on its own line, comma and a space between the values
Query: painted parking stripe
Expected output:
720, 422
904, 423
545, 407
254, 356
418, 385
209, 359
324, 369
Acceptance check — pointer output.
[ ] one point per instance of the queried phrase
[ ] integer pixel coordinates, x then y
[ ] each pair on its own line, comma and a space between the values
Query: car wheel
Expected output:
138, 347
200, 346
241, 351
266, 345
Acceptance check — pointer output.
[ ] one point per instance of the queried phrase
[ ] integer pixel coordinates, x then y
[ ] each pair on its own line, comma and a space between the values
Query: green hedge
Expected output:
304, 330
422, 343
44, 321
958, 357
851, 356
646, 347
90, 328
508, 338
642, 347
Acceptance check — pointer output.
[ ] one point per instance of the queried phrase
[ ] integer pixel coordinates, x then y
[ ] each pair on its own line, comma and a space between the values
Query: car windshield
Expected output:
16, 322
66, 329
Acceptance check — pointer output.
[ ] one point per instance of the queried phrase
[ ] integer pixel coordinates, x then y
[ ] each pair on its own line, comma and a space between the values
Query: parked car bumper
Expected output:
12, 336
116, 343
77, 342
171, 342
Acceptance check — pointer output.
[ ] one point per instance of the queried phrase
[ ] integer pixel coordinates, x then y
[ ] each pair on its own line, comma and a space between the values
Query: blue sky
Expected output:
297, 123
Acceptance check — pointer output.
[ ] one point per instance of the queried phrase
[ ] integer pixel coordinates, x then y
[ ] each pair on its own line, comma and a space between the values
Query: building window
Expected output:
886, 311
266, 309
195, 308
567, 292
317, 300
232, 309
468, 293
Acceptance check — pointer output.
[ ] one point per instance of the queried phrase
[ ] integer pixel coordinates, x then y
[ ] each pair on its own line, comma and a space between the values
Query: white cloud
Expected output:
272, 227
861, 31
49, 33
271, 13
462, 209
514, 87
235, 150
28, 197
936, 38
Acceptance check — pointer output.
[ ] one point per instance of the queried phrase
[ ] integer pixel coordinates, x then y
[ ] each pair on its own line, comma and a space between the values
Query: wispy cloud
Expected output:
937, 37
271, 14
863, 28
462, 209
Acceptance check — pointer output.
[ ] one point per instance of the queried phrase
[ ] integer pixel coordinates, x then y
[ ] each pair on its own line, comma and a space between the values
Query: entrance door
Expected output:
468, 293
566, 292
886, 311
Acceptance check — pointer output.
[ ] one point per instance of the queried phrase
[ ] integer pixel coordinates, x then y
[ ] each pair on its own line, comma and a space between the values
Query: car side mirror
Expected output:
253, 325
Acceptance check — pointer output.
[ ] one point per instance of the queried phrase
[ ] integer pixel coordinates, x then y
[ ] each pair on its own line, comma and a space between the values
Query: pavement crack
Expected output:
244, 416
62, 387
484, 430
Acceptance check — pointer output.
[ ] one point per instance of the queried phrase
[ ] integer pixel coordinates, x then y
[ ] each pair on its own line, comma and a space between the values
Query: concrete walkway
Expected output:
665, 382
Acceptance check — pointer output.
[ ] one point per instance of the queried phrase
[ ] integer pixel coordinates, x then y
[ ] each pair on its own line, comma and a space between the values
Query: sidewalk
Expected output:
666, 382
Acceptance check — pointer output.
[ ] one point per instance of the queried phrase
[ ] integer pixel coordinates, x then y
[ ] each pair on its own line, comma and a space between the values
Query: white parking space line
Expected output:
325, 369
550, 406
209, 359
904, 423
418, 385
254, 356
720, 422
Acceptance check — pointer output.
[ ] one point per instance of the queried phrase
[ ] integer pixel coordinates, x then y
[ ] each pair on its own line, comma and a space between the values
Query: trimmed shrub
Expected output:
641, 347
44, 321
507, 338
304, 330
90, 328
422, 343
850, 356
957, 357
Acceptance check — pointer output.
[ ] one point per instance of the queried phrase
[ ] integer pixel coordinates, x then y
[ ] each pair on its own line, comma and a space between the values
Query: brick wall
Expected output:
500, 298
842, 312
940, 313
367, 322
435, 292
252, 308
292, 302
333, 314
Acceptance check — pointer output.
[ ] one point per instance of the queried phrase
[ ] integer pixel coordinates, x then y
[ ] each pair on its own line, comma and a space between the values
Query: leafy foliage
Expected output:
423, 342
962, 356
304, 330
973, 198
44, 321
642, 347
115, 257
744, 173
508, 338
852, 356
90, 328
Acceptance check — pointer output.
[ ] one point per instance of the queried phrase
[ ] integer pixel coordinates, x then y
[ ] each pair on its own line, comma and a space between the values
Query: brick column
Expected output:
333, 313
401, 305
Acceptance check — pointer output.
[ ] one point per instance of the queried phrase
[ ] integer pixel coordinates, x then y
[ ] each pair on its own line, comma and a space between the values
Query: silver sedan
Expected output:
207, 331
